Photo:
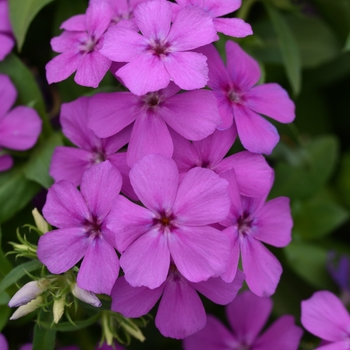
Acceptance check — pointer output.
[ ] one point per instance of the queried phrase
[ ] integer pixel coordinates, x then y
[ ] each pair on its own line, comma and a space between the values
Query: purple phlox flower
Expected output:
253, 174
6, 38
250, 222
114, 346
180, 312
69, 163
162, 52
82, 233
235, 27
27, 293
19, 127
174, 225
339, 269
3, 342
247, 315
79, 47
29, 346
6, 161
241, 103
325, 316
193, 114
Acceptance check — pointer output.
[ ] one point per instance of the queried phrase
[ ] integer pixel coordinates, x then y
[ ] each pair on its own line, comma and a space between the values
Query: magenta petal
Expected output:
271, 100
60, 250
128, 221
8, 95
69, 163
6, 162
100, 267
217, 8
150, 134
133, 301
75, 23
243, 69
6, 45
232, 265
339, 345
234, 27
225, 109
262, 269
199, 252
218, 291
98, 17
180, 312
282, 334
155, 179
275, 223
20, 129
192, 114
146, 261
91, 69
65, 206
201, 198
100, 185
188, 70
247, 315
67, 41
325, 316
115, 142
256, 133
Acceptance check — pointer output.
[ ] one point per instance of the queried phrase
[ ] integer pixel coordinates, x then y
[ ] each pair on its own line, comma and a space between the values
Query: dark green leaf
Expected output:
18, 272
347, 43
288, 46
4, 298
44, 338
4, 316
5, 265
22, 13
37, 168
343, 180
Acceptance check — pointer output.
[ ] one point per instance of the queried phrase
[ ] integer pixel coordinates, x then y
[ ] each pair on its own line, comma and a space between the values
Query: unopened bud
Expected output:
27, 293
40, 222
85, 296
28, 308
58, 308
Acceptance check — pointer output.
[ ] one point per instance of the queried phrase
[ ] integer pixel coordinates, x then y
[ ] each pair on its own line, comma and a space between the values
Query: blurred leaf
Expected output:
343, 180
309, 262
288, 46
27, 88
22, 13
18, 272
318, 217
37, 168
15, 192
5, 265
307, 168
347, 43
4, 316
44, 338
4, 298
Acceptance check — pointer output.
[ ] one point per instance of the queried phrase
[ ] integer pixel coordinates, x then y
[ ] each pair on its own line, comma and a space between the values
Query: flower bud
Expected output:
27, 293
28, 308
40, 222
58, 308
85, 296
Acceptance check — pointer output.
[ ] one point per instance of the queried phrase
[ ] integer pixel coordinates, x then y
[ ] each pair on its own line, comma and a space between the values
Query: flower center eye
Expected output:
159, 48
245, 223
93, 227
234, 96
98, 157
88, 44
165, 221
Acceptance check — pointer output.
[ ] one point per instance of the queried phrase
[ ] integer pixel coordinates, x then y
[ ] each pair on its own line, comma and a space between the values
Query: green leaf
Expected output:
4, 316
37, 168
288, 46
343, 180
15, 192
347, 43
309, 262
27, 88
18, 272
4, 298
307, 168
44, 338
5, 265
21, 14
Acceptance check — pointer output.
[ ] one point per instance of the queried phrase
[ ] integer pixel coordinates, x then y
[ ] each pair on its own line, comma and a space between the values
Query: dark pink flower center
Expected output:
245, 223
88, 45
152, 100
234, 96
98, 156
164, 221
93, 227
159, 47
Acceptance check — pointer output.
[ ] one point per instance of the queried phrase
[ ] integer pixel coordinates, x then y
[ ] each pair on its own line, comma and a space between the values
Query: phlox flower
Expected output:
173, 226
3, 342
69, 163
82, 233
6, 38
253, 174
241, 103
162, 52
247, 315
180, 312
79, 47
339, 270
235, 27
250, 223
193, 114
19, 127
325, 316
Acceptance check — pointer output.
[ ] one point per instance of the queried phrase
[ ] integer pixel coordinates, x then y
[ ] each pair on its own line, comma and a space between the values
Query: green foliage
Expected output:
44, 338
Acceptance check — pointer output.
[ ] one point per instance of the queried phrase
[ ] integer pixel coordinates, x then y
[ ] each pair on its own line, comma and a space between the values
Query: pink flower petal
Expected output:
201, 198
100, 267
67, 41
65, 206
339, 345
6, 162
262, 269
199, 252
8, 95
225, 109
247, 315
188, 70
325, 316
243, 69
275, 223
6, 45
271, 100
180, 312
155, 179
146, 261
115, 142
98, 17
131, 301
282, 334
3, 342
192, 114
215, 7
60, 250
256, 134
75, 23
5, 24
234, 27
100, 185
232, 265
